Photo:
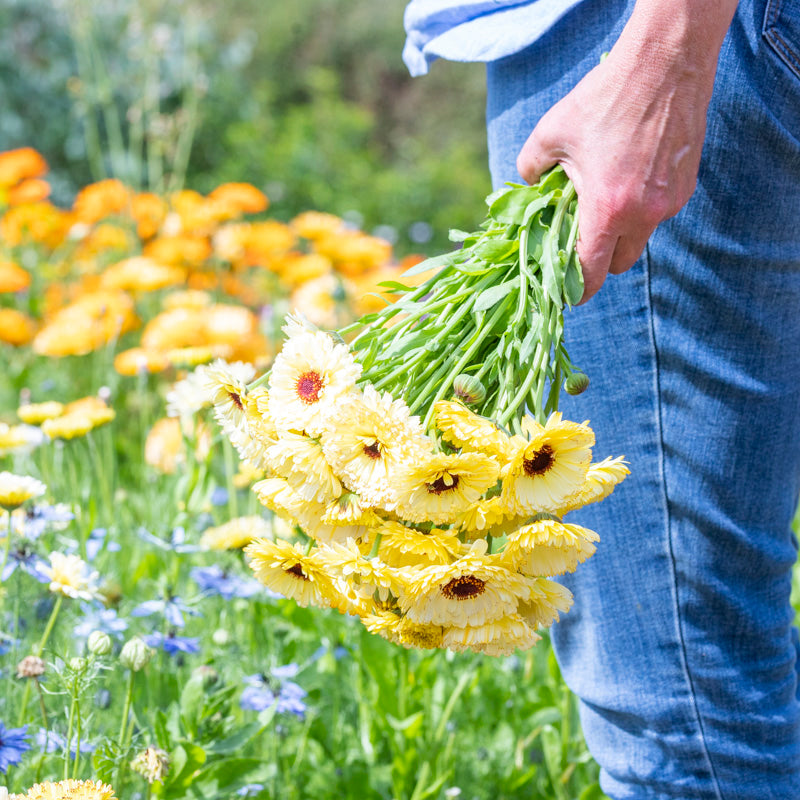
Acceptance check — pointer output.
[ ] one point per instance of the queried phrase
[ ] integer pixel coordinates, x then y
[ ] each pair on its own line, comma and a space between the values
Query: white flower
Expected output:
70, 575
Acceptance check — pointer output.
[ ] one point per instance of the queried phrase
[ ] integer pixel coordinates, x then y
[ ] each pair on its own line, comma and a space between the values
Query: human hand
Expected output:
630, 134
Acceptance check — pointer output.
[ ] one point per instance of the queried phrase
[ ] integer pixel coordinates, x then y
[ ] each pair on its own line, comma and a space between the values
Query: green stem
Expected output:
69, 736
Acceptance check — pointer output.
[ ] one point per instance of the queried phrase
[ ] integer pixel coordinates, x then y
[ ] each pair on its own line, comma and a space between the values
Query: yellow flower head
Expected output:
601, 479
547, 599
70, 575
402, 546
476, 589
469, 431
309, 376
440, 486
15, 327
18, 489
545, 469
549, 547
36, 413
500, 637
288, 570
19, 438
367, 439
70, 790
404, 631
236, 533
299, 459
68, 426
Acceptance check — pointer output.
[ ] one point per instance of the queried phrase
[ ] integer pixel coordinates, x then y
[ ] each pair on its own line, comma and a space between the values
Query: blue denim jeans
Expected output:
681, 643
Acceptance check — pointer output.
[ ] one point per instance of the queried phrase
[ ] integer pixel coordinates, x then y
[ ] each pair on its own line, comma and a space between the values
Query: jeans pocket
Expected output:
782, 31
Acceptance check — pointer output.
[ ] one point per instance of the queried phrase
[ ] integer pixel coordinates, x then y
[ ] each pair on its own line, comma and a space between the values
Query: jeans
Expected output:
681, 645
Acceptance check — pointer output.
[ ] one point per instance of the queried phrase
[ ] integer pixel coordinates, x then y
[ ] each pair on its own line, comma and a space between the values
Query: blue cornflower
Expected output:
264, 691
172, 643
215, 580
52, 742
25, 559
99, 619
40, 518
250, 789
175, 544
219, 496
13, 744
172, 608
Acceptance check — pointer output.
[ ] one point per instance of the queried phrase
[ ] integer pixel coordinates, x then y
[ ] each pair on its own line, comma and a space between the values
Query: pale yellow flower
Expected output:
71, 576
545, 469
367, 439
441, 486
546, 601
403, 546
236, 533
36, 413
299, 459
469, 431
18, 489
70, 790
549, 547
601, 480
500, 637
309, 376
288, 570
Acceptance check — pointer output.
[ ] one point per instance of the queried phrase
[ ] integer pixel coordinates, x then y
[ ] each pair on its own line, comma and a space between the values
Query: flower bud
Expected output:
469, 389
207, 674
30, 667
135, 654
576, 383
221, 637
152, 764
99, 643
77, 664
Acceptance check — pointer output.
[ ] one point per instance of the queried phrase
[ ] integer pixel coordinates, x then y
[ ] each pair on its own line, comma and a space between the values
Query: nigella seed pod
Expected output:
469, 390
576, 383
135, 654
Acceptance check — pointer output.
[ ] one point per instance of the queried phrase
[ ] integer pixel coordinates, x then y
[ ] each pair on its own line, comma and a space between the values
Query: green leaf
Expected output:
225, 773
573, 281
410, 727
396, 286
235, 742
192, 701
510, 206
455, 235
494, 294
437, 262
496, 250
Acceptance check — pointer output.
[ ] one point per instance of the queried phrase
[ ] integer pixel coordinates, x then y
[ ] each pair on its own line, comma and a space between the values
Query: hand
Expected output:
630, 134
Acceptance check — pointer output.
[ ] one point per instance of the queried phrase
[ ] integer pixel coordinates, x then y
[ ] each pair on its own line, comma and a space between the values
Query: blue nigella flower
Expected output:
219, 496
99, 619
25, 559
40, 518
250, 789
215, 580
13, 743
52, 742
172, 609
172, 643
264, 691
175, 544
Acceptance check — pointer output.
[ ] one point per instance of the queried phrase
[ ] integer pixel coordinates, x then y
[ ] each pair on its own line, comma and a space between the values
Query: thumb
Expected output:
540, 152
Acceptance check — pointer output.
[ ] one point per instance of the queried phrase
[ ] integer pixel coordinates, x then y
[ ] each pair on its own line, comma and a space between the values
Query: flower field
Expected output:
140, 655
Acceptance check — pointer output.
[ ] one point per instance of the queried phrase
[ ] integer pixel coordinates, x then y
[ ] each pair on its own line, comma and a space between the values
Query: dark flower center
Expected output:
309, 385
439, 486
373, 450
464, 588
237, 400
297, 571
541, 461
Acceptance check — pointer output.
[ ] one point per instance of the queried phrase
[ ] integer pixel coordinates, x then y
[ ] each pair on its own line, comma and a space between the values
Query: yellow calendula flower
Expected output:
91, 407
439, 487
347, 561
484, 516
236, 533
299, 459
348, 509
500, 637
309, 376
547, 600
545, 469
228, 393
402, 546
601, 479
69, 426
70, 575
36, 413
139, 361
367, 439
141, 274
70, 790
476, 589
19, 438
469, 431
290, 571
165, 446
549, 547
401, 630
18, 489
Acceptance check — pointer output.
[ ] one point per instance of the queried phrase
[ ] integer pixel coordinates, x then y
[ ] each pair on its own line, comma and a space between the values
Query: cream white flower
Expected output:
18, 489
71, 576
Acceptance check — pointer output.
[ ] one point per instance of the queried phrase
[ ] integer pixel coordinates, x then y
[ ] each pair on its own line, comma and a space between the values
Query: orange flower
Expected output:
188, 298
102, 199
354, 252
13, 278
17, 165
165, 448
178, 327
228, 324
316, 224
243, 198
31, 190
93, 320
181, 250
266, 240
102, 239
15, 327
297, 268
141, 274
138, 360
41, 223
149, 212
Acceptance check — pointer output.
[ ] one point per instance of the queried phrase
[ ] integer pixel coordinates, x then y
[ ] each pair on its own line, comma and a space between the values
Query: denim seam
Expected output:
772, 34
668, 527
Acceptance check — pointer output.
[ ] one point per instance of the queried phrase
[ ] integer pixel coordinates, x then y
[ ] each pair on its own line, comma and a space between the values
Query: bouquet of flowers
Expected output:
420, 453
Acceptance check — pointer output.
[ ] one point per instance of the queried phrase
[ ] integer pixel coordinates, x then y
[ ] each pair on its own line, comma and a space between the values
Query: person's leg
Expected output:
680, 643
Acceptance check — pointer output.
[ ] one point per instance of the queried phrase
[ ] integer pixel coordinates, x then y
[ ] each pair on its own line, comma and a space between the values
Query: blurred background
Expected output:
308, 100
